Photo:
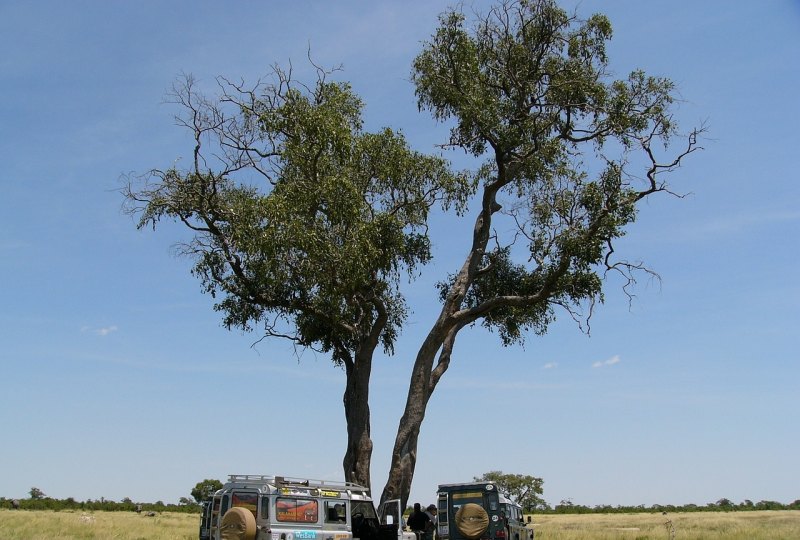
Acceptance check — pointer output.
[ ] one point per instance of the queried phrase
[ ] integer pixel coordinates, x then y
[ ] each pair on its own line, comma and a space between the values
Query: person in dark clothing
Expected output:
430, 530
418, 521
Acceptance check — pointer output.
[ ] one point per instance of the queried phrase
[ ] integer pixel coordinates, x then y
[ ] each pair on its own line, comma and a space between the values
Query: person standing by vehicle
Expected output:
418, 521
430, 529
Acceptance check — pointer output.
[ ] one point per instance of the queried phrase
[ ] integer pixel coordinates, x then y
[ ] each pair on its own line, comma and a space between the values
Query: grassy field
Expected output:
758, 525
763, 525
69, 525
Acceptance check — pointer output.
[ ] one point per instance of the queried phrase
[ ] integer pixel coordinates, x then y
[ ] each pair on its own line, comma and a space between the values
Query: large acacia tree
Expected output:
303, 223
568, 154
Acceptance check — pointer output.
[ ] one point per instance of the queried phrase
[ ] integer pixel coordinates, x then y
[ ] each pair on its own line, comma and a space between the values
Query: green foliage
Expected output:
36, 493
203, 491
522, 488
48, 503
528, 88
306, 223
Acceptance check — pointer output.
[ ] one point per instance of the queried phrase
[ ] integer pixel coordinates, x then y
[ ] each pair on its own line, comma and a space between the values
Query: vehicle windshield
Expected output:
364, 508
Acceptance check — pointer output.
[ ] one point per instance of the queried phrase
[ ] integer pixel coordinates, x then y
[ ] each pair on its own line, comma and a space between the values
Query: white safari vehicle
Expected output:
256, 507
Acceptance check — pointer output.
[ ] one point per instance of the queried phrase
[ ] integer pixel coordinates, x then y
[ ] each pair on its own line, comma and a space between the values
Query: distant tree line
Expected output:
527, 490
722, 505
509, 484
39, 501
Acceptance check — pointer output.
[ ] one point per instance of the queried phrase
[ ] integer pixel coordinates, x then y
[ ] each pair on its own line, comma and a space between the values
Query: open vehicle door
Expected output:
392, 527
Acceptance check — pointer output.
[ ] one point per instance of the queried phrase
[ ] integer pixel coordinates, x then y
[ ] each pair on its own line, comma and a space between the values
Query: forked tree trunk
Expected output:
440, 340
358, 456
423, 381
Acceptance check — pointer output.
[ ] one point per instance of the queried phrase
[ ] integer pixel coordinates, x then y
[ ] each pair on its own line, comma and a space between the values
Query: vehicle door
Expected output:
391, 516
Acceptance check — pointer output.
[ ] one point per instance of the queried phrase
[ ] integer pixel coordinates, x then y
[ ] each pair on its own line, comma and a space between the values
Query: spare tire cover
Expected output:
238, 524
472, 520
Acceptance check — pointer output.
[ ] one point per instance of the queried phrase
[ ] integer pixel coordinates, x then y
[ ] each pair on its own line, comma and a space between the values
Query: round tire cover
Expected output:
238, 524
472, 520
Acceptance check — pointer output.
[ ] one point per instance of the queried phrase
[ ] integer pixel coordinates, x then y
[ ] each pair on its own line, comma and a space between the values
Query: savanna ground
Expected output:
79, 525
758, 525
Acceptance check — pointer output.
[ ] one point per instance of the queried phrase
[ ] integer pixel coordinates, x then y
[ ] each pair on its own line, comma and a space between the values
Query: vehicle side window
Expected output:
264, 508
335, 512
296, 510
215, 511
226, 503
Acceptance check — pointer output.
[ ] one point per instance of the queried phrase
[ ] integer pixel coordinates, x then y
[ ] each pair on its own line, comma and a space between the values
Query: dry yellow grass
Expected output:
758, 525
766, 525
77, 525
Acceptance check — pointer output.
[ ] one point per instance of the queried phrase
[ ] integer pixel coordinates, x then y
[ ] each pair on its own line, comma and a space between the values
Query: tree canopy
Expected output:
303, 223
567, 154
203, 490
521, 488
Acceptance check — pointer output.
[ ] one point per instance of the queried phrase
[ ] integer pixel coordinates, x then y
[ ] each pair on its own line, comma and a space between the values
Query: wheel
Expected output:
472, 521
238, 524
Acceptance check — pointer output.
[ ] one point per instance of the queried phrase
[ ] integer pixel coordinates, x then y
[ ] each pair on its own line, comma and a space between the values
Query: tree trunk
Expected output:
440, 340
404, 454
423, 381
358, 456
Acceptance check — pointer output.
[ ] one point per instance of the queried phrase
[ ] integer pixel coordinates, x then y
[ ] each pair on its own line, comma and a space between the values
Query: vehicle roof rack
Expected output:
468, 484
278, 481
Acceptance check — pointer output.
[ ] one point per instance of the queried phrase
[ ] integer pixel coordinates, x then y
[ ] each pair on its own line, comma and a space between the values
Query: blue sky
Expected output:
117, 380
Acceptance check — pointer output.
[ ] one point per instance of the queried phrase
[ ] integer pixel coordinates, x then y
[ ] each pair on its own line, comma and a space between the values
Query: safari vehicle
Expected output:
478, 511
205, 521
256, 507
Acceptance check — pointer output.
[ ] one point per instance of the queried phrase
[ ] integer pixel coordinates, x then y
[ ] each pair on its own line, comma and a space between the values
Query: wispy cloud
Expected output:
736, 223
459, 384
733, 224
721, 226
99, 331
550, 365
610, 362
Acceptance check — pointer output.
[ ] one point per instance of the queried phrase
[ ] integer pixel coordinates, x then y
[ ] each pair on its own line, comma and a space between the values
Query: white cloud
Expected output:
105, 331
610, 362
99, 331
550, 365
